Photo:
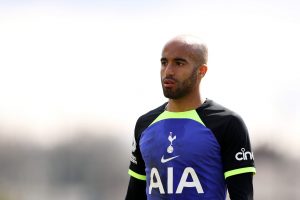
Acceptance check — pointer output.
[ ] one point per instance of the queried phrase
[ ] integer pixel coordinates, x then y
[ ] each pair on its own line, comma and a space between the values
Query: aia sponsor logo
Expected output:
189, 178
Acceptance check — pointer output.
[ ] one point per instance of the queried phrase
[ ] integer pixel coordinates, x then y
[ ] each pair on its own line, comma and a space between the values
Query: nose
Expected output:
168, 69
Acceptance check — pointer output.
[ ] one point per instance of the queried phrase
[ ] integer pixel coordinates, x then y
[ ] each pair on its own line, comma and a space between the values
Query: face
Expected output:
179, 72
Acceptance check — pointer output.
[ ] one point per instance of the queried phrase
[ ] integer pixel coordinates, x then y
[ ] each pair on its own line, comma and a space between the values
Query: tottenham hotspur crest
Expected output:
171, 138
133, 148
133, 145
170, 149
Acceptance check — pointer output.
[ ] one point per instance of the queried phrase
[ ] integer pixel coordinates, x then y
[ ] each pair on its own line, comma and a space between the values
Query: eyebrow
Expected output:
180, 60
163, 59
175, 59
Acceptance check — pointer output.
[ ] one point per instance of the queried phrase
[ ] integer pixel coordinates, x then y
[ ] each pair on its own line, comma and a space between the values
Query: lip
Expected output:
168, 82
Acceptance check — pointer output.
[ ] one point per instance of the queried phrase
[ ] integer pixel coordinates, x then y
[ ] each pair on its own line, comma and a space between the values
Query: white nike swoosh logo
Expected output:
163, 160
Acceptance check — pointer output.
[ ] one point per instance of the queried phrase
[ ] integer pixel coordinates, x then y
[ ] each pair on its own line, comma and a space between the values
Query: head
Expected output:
183, 65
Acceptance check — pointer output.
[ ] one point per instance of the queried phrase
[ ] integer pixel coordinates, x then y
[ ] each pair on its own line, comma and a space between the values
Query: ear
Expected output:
202, 70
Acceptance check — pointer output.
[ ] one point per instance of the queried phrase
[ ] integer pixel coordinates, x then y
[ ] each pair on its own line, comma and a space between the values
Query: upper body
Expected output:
189, 148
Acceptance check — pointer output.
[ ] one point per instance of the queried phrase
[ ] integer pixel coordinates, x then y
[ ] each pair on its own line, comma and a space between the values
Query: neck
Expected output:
184, 104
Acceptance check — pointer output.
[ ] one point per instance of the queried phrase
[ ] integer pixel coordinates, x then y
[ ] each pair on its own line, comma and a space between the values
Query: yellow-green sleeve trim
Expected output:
136, 175
239, 171
191, 114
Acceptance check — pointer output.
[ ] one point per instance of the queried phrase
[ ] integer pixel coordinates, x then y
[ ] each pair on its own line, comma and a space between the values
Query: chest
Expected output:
178, 141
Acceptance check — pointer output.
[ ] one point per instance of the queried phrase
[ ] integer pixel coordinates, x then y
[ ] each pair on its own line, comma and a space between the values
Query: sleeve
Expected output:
238, 160
240, 186
136, 189
137, 165
237, 155
137, 183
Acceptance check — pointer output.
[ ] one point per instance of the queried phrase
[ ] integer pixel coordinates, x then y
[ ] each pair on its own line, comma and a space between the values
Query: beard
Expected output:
183, 87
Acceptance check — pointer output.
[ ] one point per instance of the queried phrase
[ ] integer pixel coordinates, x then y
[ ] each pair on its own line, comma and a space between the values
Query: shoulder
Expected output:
224, 123
212, 111
210, 107
152, 113
146, 119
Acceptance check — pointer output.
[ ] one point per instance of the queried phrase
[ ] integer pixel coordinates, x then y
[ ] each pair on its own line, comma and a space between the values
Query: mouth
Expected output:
168, 82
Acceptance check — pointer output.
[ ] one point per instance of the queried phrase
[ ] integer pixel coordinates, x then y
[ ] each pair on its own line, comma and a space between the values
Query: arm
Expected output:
240, 187
137, 182
239, 161
136, 189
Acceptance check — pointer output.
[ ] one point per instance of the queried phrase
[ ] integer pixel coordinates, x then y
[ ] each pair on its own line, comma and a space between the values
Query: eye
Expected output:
178, 63
164, 62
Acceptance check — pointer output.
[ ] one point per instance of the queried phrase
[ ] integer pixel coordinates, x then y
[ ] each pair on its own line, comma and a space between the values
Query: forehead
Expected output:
177, 49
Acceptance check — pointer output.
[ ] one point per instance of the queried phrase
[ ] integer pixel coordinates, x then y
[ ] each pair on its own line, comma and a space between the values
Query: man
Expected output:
189, 148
